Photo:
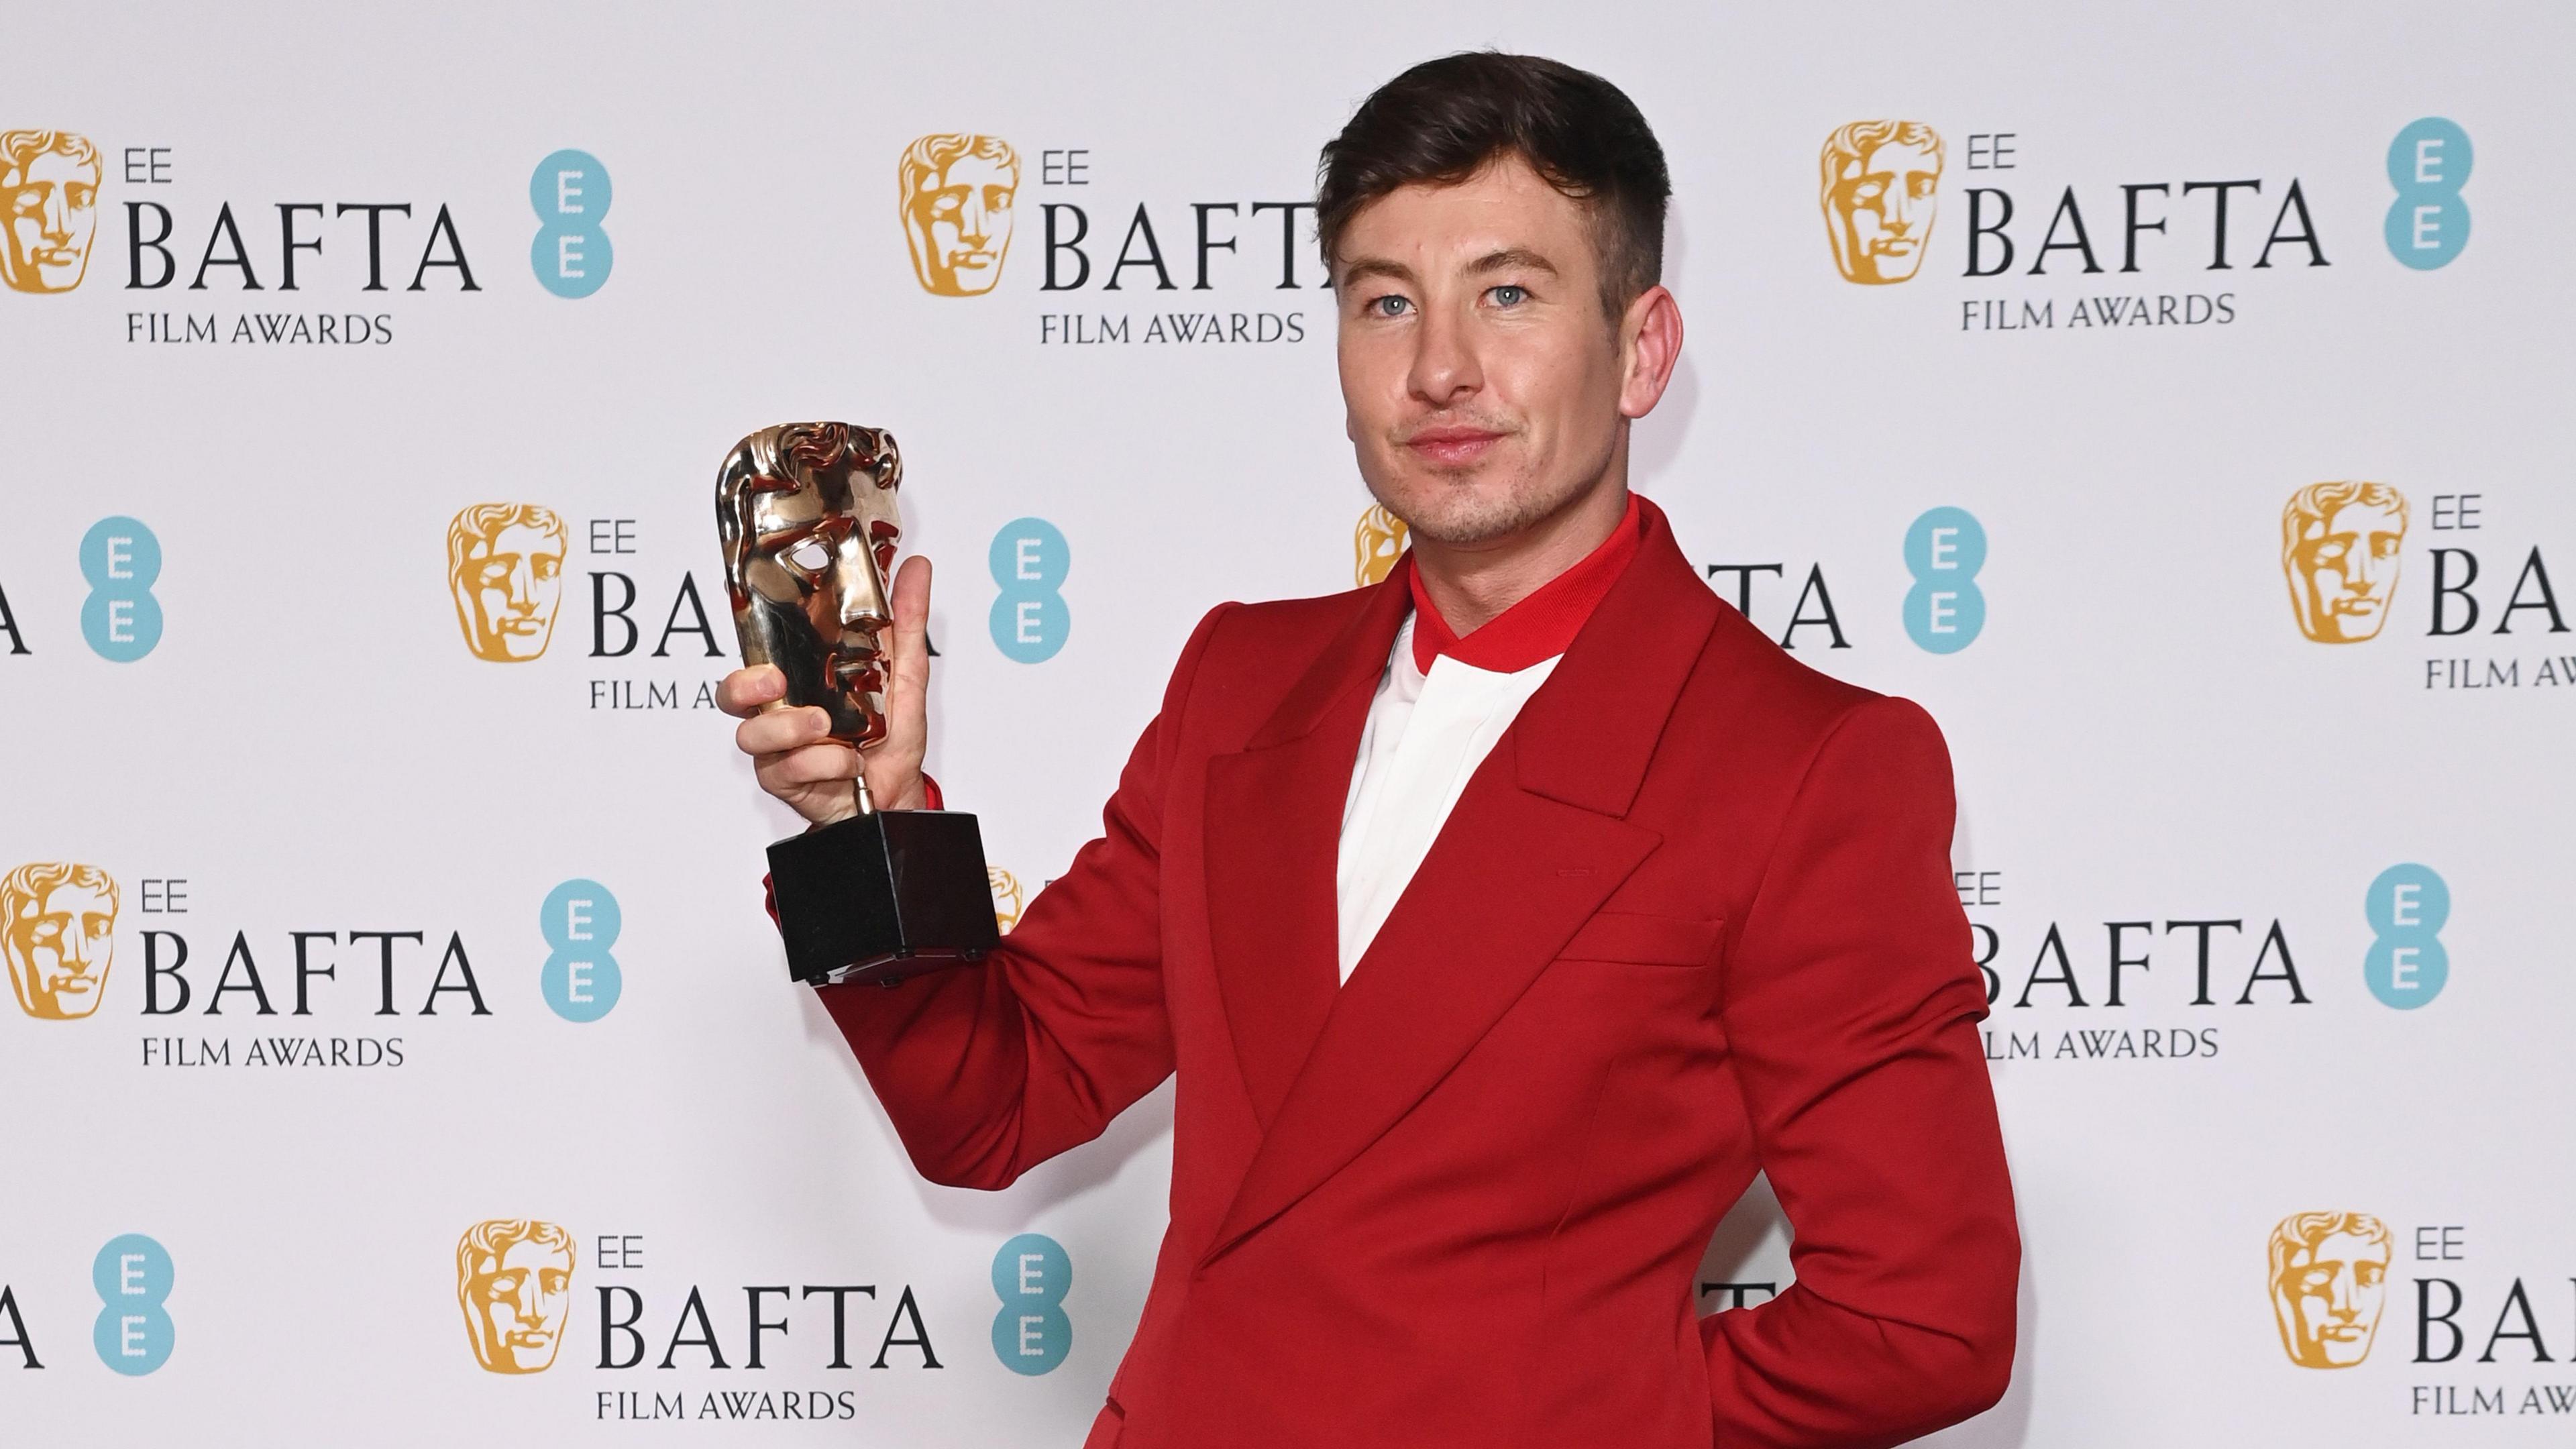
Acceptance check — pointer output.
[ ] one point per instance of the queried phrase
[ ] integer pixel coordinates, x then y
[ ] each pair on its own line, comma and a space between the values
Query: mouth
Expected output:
71, 985
521, 626
1451, 447
1896, 246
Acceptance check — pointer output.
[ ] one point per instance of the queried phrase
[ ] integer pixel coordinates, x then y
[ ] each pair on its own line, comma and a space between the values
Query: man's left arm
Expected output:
1851, 1008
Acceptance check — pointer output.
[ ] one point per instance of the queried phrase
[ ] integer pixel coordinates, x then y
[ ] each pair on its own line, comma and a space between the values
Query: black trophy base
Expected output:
883, 896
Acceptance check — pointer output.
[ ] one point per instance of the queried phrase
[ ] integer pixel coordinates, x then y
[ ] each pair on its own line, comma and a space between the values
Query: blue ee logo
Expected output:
134, 1332
581, 921
1030, 560
2428, 223
571, 254
1031, 1335
120, 618
2407, 907
1945, 610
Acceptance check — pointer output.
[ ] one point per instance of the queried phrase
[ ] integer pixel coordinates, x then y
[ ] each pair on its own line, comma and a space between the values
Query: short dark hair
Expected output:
1444, 120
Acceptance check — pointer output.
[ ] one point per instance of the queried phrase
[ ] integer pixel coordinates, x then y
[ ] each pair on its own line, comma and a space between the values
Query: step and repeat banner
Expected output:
2172, 398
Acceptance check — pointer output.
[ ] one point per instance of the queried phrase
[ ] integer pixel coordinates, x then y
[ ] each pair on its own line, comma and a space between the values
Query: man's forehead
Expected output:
1506, 206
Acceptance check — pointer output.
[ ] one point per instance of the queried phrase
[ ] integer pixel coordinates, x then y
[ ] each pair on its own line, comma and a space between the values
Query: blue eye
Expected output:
1508, 295
1389, 305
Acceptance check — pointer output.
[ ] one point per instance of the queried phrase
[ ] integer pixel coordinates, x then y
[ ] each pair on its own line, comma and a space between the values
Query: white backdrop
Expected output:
2142, 732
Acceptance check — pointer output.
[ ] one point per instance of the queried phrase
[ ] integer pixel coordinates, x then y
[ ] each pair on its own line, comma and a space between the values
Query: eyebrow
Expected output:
1375, 267
1495, 261
1508, 258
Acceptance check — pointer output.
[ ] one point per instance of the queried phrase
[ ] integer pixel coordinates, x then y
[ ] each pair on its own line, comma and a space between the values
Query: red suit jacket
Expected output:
1692, 918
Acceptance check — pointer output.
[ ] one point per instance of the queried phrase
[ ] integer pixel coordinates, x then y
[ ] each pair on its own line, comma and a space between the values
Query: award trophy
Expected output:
806, 513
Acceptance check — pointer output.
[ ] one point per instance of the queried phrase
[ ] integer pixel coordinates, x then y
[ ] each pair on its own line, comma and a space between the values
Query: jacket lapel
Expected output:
1532, 849
1274, 822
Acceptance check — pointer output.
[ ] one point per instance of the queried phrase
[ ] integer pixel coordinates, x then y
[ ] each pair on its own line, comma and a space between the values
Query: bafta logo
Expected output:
2339, 549
505, 566
58, 929
1881, 184
955, 201
514, 1280
1006, 897
2329, 1276
1376, 544
49, 183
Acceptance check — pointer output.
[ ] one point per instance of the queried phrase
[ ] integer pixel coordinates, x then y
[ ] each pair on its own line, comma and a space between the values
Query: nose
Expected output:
523, 588
1898, 209
974, 222
2339, 1301
58, 215
1445, 370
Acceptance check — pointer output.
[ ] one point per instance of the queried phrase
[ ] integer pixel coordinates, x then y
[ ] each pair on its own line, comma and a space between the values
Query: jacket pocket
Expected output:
1651, 940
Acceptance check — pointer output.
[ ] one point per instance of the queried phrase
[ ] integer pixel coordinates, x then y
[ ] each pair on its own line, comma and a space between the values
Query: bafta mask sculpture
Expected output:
2329, 1279
514, 1280
806, 515
58, 929
1881, 191
2339, 548
1376, 544
49, 194
505, 569
955, 193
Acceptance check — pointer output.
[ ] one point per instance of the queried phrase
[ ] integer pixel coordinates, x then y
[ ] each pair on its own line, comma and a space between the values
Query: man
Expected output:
514, 1281
49, 185
58, 929
1501, 920
505, 570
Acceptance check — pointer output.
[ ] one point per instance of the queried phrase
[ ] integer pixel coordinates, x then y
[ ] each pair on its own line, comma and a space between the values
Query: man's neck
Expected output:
1473, 584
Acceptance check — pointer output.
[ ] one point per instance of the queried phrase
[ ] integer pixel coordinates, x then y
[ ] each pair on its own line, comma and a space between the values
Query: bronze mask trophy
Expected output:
806, 513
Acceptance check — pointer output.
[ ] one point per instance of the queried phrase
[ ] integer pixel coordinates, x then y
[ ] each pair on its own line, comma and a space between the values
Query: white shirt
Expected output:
1426, 734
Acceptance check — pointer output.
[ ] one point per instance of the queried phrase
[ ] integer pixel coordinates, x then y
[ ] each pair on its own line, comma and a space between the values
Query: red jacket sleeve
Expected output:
1851, 1005
989, 1069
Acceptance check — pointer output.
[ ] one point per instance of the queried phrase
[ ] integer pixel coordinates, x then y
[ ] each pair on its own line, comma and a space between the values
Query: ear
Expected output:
1650, 346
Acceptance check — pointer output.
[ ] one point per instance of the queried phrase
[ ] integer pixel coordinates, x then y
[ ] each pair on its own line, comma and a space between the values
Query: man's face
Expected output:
1883, 206
518, 1305
2331, 1300
1481, 381
961, 222
52, 212
59, 951
2347, 568
513, 582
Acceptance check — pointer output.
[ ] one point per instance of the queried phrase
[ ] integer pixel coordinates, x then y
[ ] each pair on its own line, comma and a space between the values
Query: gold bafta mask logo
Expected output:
1376, 544
49, 184
1882, 181
505, 566
2329, 1277
2339, 549
58, 929
1006, 898
955, 199
514, 1280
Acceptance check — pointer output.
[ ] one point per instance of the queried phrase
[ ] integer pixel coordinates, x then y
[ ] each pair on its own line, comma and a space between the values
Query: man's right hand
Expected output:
790, 754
